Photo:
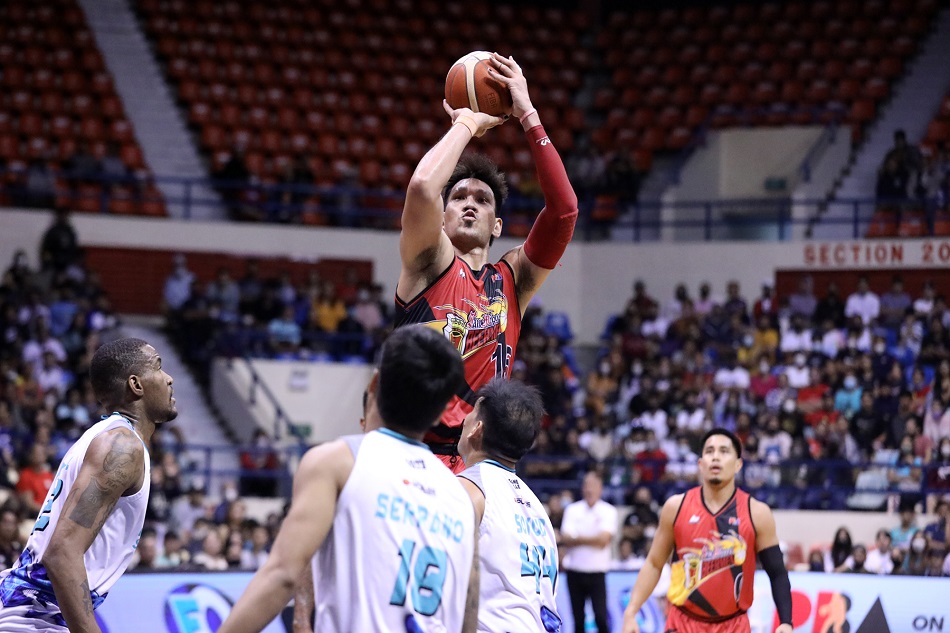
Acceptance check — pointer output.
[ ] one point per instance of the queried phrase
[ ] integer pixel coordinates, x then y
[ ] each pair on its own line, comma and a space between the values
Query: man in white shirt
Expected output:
863, 303
732, 376
587, 529
798, 374
879, 559
797, 337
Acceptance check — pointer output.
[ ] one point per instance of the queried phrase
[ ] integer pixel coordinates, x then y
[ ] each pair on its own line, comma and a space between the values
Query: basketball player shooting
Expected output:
714, 532
87, 530
449, 222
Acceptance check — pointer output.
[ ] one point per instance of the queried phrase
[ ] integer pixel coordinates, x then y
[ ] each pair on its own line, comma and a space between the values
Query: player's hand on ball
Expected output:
484, 121
506, 70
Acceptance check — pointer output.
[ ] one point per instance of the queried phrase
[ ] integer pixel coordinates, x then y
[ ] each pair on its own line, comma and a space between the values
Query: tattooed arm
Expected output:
114, 465
303, 603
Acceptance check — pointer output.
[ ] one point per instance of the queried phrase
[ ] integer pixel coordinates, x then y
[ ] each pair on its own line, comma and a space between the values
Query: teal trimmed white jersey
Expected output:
26, 591
518, 554
399, 553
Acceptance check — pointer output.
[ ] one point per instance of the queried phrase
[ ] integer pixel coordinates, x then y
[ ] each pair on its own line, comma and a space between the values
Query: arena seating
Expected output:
677, 70
353, 84
56, 94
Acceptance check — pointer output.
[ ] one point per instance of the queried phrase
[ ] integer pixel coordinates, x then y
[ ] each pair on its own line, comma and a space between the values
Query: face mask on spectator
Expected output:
879, 348
604, 368
788, 406
763, 367
945, 451
637, 369
747, 340
918, 544
850, 383
800, 360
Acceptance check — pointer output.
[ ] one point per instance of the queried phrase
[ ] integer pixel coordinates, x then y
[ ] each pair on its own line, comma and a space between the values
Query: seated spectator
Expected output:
734, 303
146, 552
858, 561
924, 305
601, 387
879, 559
765, 339
938, 475
654, 419
187, 510
367, 313
692, 419
177, 289
936, 555
211, 555
836, 558
50, 376
683, 468
816, 561
797, 338
766, 305
732, 375
650, 463
598, 441
863, 303
830, 339
915, 560
59, 249
259, 457
704, 303
935, 345
803, 301
641, 301
628, 560
36, 477
869, 426
830, 307
811, 398
902, 534
226, 295
174, 553
644, 513
10, 545
253, 557
328, 310
894, 303
798, 374
848, 397
937, 419
939, 530
284, 333
775, 444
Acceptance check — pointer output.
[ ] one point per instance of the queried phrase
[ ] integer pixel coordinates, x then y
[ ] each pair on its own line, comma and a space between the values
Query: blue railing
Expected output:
707, 220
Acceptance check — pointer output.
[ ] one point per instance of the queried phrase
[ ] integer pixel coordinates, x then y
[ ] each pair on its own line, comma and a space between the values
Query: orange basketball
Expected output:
468, 85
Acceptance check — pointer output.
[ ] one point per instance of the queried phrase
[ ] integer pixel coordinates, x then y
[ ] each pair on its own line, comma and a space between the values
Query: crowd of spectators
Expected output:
317, 319
827, 394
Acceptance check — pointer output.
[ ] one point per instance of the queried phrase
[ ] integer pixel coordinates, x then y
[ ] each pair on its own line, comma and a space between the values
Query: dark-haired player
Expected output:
393, 531
87, 530
714, 532
517, 547
448, 224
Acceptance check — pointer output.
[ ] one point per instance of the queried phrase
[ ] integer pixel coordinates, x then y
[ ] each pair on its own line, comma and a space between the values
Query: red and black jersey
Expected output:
478, 312
714, 557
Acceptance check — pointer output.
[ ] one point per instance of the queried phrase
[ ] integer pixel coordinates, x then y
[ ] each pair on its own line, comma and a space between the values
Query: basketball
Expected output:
468, 85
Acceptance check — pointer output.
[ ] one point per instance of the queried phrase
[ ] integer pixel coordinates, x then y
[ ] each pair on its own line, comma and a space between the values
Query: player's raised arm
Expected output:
422, 244
114, 465
554, 227
649, 574
321, 475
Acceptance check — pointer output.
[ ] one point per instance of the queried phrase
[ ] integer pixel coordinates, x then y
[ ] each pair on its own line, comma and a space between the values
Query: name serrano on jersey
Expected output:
417, 515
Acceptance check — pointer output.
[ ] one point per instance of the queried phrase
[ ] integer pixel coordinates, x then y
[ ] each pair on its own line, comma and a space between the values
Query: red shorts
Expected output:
678, 622
452, 462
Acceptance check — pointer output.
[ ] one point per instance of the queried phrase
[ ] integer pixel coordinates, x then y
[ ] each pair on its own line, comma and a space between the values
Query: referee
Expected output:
587, 530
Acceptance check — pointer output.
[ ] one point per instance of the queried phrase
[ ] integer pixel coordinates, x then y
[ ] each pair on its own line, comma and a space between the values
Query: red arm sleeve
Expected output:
554, 227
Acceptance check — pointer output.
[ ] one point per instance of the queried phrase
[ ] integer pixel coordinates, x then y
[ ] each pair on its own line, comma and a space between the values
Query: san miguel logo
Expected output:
479, 326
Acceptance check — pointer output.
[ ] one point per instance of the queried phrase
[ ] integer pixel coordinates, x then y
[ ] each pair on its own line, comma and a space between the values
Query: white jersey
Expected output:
399, 554
518, 554
25, 590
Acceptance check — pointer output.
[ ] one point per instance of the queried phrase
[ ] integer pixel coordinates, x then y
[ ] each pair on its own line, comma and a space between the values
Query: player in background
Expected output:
517, 547
393, 531
87, 530
715, 532
449, 221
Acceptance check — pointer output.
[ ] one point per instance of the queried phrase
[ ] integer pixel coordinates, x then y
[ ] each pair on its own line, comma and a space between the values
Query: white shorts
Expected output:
15, 620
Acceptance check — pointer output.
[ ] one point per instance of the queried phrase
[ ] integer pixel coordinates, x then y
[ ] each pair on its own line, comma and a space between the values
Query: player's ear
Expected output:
373, 385
496, 230
135, 384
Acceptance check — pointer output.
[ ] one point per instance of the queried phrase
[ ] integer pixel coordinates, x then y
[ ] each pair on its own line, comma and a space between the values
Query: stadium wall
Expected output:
593, 280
